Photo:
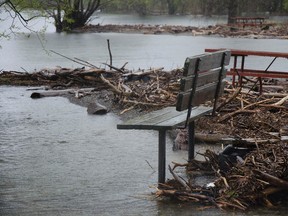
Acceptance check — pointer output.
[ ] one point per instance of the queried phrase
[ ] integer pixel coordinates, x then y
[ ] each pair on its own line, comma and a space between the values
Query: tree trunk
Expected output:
73, 15
73, 20
171, 7
232, 11
208, 9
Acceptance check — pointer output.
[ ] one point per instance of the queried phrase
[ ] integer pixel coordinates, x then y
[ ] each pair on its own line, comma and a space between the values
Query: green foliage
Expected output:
27, 4
285, 5
206, 7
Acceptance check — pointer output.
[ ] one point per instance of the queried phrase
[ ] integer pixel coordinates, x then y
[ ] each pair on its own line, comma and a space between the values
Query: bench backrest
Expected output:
202, 79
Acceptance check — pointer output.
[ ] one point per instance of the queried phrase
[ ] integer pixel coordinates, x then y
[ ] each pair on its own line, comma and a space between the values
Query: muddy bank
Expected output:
269, 30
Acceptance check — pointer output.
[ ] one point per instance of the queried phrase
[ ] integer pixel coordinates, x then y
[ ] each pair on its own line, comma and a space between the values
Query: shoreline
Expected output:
265, 31
127, 95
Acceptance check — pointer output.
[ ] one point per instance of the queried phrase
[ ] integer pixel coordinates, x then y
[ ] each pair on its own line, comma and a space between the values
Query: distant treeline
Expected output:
203, 7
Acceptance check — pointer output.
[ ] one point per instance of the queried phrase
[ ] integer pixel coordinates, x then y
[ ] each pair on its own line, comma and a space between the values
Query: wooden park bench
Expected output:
202, 81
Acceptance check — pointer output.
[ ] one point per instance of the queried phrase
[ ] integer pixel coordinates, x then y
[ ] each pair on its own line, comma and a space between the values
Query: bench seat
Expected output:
164, 119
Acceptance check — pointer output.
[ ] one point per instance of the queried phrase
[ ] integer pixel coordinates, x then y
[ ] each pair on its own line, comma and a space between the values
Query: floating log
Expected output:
36, 95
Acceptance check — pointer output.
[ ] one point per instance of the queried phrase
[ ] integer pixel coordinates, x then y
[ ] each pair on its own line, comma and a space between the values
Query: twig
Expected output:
230, 115
70, 58
279, 103
225, 181
150, 165
115, 89
178, 179
86, 62
259, 102
113, 67
24, 69
141, 103
238, 90
126, 110
123, 67
179, 165
110, 54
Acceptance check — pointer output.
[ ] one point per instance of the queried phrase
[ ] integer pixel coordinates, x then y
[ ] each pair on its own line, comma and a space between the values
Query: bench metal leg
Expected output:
191, 140
162, 156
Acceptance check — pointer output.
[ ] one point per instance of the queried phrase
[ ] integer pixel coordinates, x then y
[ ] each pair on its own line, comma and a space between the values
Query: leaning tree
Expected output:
67, 14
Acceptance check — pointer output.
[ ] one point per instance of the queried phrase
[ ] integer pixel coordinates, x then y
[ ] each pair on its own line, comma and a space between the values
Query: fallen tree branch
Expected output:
113, 67
258, 102
73, 60
273, 106
114, 88
279, 103
228, 100
86, 62
237, 112
178, 179
273, 180
141, 103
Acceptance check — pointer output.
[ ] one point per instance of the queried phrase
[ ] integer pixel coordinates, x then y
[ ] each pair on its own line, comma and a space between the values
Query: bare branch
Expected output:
13, 7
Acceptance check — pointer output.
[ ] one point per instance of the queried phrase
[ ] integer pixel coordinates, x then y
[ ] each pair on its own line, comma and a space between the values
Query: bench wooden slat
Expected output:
202, 94
145, 117
196, 113
170, 120
203, 78
157, 119
207, 61
147, 121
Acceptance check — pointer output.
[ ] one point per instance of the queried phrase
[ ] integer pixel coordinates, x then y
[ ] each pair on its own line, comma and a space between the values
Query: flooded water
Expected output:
55, 159
58, 160
31, 52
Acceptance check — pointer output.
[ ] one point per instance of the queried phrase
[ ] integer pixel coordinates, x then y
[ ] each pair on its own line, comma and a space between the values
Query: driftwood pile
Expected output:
253, 169
147, 89
58, 78
267, 30
244, 114
261, 178
144, 89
